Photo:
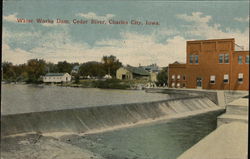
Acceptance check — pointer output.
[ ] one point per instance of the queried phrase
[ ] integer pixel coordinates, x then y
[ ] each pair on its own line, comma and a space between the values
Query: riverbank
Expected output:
136, 84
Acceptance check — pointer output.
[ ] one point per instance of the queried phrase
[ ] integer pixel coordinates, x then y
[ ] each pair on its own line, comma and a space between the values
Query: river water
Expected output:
32, 98
154, 141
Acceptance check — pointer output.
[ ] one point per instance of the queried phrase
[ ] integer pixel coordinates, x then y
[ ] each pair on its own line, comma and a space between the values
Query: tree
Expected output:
35, 69
111, 64
64, 66
93, 68
51, 67
162, 77
8, 71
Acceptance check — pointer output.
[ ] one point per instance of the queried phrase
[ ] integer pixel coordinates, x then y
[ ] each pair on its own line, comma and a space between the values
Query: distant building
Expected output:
212, 64
75, 69
130, 72
151, 68
107, 76
56, 77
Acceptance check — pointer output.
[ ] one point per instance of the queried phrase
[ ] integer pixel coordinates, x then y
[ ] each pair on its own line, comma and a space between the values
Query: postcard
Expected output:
139, 79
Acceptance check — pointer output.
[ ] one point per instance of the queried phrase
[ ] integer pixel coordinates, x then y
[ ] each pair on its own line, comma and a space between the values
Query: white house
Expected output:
57, 77
107, 76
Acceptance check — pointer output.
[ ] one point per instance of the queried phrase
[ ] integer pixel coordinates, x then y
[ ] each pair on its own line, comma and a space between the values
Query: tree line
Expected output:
33, 69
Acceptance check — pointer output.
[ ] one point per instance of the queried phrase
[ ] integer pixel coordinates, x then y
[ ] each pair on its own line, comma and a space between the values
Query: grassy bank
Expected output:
107, 84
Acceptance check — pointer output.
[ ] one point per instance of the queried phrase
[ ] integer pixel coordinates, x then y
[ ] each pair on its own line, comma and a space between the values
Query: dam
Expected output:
98, 128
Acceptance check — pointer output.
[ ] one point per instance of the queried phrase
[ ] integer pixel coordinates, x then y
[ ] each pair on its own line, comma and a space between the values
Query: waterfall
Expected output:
85, 120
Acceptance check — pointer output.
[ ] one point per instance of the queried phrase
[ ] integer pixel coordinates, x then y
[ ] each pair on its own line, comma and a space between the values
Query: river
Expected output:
154, 141
17, 98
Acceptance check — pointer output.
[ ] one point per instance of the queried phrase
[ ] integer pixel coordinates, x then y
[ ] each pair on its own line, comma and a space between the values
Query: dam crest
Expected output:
101, 118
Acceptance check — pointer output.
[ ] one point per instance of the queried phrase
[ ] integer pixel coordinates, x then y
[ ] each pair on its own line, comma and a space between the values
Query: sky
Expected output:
132, 44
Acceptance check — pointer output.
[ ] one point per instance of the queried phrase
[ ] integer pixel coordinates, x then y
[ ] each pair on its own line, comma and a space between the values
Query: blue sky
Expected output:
132, 44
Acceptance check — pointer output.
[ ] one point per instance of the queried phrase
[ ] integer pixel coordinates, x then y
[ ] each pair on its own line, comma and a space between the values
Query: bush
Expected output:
110, 84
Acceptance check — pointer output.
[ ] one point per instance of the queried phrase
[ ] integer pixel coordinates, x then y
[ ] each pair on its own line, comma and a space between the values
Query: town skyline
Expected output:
133, 44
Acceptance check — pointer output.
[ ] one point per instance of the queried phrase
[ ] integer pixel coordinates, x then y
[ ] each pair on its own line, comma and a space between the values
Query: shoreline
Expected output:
74, 85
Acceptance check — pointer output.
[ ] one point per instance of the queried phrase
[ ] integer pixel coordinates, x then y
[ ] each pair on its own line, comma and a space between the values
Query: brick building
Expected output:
212, 64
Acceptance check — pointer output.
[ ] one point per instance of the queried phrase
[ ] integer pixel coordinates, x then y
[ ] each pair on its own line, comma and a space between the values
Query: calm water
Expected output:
158, 141
30, 98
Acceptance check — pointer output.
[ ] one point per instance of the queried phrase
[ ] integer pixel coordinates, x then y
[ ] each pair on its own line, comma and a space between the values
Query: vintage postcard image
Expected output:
124, 79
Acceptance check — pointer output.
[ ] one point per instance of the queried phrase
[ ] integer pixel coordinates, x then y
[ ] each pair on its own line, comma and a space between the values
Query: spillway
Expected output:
88, 119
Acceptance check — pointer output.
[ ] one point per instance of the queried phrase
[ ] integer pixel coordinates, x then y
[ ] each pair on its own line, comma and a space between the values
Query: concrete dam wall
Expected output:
84, 120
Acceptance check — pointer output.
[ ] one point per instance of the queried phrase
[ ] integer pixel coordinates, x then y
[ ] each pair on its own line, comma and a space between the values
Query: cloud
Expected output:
242, 19
92, 15
195, 17
16, 56
133, 48
10, 18
201, 28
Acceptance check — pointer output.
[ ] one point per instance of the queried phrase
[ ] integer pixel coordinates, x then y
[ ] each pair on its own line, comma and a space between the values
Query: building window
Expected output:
178, 77
212, 79
178, 85
196, 59
247, 59
172, 85
226, 78
240, 77
173, 77
184, 77
191, 59
226, 58
183, 85
239, 59
221, 57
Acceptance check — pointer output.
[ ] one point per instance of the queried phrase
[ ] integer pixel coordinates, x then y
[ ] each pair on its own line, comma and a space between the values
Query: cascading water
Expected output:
91, 119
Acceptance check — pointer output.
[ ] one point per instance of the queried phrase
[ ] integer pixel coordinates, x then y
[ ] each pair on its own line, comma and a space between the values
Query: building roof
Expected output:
137, 70
55, 74
208, 40
151, 68
76, 67
177, 62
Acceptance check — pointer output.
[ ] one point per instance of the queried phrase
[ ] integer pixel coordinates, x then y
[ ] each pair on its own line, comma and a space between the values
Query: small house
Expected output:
75, 69
56, 77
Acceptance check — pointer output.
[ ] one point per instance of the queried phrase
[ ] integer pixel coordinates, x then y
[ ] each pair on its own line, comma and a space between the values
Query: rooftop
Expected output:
137, 70
208, 40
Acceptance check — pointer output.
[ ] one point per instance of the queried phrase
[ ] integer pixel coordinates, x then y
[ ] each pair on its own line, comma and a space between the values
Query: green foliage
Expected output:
111, 64
8, 71
64, 66
35, 69
94, 69
77, 79
110, 84
162, 77
51, 67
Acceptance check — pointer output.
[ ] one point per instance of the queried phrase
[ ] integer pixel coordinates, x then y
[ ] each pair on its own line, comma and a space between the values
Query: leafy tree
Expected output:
77, 78
8, 71
51, 67
111, 64
94, 69
162, 77
35, 69
64, 66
